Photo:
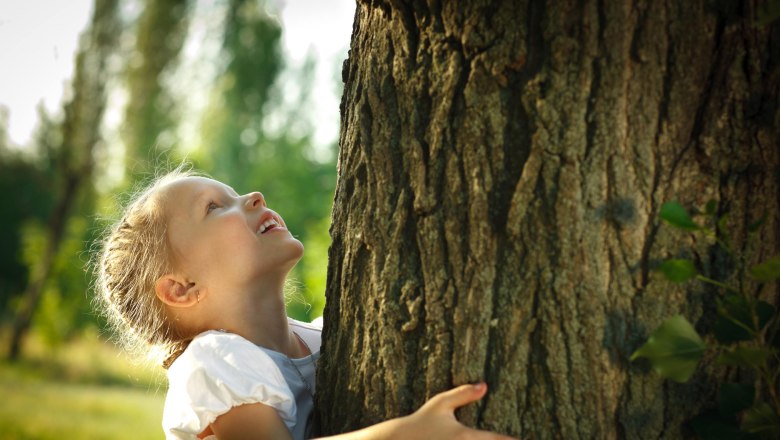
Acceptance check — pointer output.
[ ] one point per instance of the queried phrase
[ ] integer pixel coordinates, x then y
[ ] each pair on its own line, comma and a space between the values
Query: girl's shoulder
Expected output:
220, 355
217, 340
217, 371
215, 344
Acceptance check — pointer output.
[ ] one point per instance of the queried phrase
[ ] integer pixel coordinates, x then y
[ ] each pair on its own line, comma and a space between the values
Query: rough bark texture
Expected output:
501, 169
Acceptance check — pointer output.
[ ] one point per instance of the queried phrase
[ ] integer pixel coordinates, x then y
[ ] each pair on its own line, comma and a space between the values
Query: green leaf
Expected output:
735, 319
735, 397
678, 270
762, 419
674, 214
674, 349
727, 331
767, 271
744, 357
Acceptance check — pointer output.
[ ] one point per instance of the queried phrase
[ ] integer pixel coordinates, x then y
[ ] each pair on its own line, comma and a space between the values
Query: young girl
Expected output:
196, 272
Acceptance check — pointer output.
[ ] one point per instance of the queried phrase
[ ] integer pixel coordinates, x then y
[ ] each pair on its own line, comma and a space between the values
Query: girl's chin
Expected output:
297, 247
291, 254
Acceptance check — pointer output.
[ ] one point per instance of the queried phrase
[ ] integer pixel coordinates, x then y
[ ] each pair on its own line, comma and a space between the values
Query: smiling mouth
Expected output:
267, 226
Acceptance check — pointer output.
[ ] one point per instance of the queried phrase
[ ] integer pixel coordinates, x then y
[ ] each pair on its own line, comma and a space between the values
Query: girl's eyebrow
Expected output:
229, 189
206, 195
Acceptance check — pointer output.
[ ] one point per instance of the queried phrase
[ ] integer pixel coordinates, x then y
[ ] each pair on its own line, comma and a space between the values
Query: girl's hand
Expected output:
436, 418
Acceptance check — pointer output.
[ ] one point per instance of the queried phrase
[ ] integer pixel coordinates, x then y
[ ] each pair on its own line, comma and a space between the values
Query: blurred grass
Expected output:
83, 389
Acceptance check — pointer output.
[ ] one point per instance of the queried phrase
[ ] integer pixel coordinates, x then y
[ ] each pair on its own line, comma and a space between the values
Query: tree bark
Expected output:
502, 165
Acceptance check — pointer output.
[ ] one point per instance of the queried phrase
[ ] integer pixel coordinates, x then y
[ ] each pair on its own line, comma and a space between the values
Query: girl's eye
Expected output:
212, 206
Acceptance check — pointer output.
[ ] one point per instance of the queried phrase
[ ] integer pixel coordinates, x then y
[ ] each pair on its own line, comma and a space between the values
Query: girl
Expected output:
196, 272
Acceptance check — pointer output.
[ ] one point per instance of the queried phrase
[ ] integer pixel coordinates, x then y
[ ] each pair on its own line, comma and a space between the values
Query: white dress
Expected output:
221, 370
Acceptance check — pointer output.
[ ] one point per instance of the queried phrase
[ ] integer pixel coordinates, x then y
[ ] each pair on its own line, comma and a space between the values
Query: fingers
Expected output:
445, 404
457, 397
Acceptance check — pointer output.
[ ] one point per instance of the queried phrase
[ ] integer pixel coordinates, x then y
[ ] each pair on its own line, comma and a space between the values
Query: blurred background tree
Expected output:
69, 147
25, 178
151, 115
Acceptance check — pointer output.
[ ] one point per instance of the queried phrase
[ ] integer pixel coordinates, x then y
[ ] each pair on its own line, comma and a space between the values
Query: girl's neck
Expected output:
261, 318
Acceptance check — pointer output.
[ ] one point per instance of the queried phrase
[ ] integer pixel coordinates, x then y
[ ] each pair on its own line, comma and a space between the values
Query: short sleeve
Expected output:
216, 372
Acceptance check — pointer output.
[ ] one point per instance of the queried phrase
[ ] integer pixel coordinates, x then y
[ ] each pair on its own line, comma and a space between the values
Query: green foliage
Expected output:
744, 357
238, 146
678, 270
150, 115
674, 349
315, 264
745, 331
766, 271
35, 180
677, 216
63, 309
736, 318
762, 419
26, 182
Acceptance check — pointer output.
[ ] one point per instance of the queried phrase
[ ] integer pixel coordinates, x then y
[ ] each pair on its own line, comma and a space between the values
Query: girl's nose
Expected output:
255, 200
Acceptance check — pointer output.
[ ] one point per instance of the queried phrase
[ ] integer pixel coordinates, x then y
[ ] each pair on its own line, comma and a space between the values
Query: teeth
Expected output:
267, 224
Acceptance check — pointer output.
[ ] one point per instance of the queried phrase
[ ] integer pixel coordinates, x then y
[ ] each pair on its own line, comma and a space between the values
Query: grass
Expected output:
85, 389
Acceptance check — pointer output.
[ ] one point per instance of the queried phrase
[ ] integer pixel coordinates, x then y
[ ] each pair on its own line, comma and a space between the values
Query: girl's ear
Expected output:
175, 291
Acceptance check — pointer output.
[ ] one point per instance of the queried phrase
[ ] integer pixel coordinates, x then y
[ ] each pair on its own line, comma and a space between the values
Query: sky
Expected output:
37, 54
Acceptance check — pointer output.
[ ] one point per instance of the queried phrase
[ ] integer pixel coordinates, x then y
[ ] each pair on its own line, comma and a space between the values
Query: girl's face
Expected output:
224, 241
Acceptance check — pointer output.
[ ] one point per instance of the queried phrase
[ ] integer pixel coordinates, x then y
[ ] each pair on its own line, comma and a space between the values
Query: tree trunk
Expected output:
150, 113
501, 170
80, 134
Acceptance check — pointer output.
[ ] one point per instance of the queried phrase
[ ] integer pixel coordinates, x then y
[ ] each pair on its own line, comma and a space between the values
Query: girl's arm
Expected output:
250, 421
434, 420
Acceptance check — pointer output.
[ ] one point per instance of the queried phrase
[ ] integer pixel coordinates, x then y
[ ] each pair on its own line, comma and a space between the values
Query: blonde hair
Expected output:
133, 254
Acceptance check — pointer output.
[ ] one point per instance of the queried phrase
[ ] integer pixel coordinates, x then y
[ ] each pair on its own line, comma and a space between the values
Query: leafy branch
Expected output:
745, 334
